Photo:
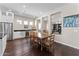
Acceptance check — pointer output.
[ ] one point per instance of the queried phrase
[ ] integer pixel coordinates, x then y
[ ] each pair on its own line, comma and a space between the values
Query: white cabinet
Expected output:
6, 16
3, 44
0, 15
19, 34
9, 16
0, 47
3, 18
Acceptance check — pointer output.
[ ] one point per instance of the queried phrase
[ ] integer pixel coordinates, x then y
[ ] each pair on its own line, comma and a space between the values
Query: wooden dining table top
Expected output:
43, 35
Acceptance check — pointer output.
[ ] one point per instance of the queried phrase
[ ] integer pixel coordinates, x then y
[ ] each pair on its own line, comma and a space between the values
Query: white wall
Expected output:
70, 9
69, 36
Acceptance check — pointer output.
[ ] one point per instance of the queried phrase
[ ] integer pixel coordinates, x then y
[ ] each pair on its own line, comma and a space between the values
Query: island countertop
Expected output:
24, 30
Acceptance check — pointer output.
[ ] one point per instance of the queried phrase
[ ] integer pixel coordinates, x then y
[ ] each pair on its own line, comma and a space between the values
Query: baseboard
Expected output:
67, 45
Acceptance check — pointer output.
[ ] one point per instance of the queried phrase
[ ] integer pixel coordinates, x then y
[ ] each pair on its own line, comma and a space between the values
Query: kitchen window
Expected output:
31, 23
19, 21
25, 22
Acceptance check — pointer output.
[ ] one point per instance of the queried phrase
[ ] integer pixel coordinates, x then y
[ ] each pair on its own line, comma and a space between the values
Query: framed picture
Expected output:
71, 21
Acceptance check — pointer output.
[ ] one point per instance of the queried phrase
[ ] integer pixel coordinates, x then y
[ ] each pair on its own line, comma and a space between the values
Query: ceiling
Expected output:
31, 10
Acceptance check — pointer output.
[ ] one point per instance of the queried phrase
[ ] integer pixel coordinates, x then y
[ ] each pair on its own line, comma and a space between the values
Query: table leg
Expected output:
41, 48
41, 45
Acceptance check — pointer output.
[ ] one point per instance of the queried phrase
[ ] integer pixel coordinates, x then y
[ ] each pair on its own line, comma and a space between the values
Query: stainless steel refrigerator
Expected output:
7, 28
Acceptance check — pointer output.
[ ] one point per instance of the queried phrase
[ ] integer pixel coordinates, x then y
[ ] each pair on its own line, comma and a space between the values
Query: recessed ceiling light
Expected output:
24, 6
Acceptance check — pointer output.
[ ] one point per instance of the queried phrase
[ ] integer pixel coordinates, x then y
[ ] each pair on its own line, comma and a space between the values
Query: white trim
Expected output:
67, 44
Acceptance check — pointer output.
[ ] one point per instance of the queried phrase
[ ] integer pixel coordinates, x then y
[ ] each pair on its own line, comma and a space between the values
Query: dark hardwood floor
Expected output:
22, 47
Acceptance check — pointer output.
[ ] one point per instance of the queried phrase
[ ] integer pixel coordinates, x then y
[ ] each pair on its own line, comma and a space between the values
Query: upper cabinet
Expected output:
0, 15
9, 16
6, 16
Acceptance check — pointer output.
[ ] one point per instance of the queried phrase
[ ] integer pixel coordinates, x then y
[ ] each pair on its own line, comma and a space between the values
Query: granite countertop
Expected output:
24, 30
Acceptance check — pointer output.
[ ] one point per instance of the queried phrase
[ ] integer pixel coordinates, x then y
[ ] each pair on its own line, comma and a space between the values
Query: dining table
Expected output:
41, 36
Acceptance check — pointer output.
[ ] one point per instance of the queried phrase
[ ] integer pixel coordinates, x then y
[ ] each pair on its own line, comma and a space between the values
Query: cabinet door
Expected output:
3, 44
0, 47
10, 17
1, 28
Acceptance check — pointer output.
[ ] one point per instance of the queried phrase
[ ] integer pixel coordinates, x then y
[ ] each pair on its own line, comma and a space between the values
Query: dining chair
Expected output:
33, 39
48, 43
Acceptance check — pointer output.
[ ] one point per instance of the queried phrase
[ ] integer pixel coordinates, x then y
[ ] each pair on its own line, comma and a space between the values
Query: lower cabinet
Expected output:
3, 45
19, 34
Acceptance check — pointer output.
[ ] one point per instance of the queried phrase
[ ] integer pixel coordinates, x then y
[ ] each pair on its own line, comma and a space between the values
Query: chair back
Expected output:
33, 35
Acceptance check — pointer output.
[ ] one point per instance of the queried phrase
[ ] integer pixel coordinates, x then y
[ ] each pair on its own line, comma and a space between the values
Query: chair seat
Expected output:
35, 40
47, 43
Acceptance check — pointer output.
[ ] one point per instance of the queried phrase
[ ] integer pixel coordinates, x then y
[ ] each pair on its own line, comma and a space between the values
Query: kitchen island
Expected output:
21, 33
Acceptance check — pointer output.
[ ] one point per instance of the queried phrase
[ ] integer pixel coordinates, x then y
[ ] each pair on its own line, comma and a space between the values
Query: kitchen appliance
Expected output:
56, 28
6, 28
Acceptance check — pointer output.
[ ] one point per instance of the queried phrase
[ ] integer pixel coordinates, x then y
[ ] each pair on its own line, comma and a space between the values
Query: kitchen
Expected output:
15, 24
